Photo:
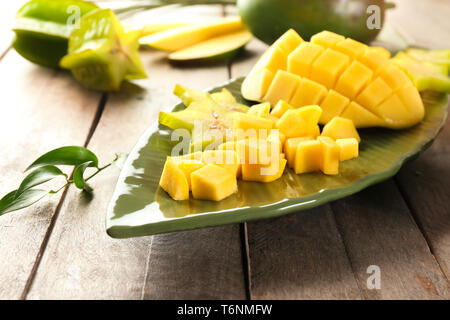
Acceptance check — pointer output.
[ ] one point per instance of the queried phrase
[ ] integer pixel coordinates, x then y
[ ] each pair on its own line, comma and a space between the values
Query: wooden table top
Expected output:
58, 248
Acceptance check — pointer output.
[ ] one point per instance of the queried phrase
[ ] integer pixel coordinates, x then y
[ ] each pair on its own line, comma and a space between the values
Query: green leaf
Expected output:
39, 176
10, 203
70, 155
78, 176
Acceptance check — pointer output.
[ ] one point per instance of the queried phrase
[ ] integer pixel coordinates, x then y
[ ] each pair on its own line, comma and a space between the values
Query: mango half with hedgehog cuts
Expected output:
344, 77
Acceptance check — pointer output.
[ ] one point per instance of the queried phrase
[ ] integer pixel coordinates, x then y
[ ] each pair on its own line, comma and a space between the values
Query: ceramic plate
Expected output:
139, 207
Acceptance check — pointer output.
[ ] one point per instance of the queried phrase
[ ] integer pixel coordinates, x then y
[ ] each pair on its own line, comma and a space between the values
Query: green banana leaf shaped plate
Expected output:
139, 207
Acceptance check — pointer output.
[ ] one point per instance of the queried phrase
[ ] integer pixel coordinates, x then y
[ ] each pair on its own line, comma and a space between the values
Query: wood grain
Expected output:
81, 261
34, 118
377, 229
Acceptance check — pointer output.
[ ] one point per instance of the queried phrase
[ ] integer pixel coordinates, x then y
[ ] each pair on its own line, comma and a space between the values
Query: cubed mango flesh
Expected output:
261, 110
340, 128
212, 182
329, 163
227, 159
264, 172
280, 108
363, 75
308, 156
282, 87
290, 148
300, 122
300, 60
332, 106
327, 68
348, 148
308, 93
173, 181
189, 166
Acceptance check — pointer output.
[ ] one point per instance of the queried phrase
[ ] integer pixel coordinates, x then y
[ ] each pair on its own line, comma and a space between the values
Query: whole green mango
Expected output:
269, 19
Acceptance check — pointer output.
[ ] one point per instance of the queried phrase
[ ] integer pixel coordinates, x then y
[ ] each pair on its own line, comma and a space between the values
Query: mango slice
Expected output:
183, 37
174, 181
260, 110
215, 49
344, 77
340, 128
348, 148
213, 183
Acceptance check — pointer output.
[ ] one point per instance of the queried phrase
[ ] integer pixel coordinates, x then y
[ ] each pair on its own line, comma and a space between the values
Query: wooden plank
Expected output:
299, 256
425, 184
422, 23
81, 261
34, 118
377, 229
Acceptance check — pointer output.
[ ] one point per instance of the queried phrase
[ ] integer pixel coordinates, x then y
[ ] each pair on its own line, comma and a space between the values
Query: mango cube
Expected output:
360, 116
290, 148
308, 156
374, 94
374, 60
332, 106
226, 159
348, 148
213, 183
264, 172
189, 166
351, 48
300, 60
280, 108
173, 181
288, 41
300, 122
395, 77
330, 156
339, 128
259, 151
328, 67
327, 39
308, 93
353, 79
282, 87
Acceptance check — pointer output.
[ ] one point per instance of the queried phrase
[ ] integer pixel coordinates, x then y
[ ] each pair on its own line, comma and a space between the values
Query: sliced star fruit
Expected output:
424, 75
214, 112
101, 54
224, 98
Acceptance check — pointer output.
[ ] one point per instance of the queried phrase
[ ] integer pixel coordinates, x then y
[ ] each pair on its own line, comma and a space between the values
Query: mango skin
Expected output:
269, 19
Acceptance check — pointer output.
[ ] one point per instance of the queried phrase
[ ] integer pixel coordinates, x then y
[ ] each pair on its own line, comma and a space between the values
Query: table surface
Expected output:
58, 249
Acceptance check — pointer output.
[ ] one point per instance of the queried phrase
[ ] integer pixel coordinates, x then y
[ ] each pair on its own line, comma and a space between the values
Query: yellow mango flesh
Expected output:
227, 159
348, 148
212, 182
329, 162
183, 37
189, 166
371, 88
290, 148
280, 108
340, 128
299, 122
174, 182
308, 156
264, 172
